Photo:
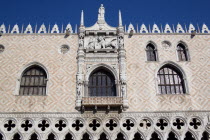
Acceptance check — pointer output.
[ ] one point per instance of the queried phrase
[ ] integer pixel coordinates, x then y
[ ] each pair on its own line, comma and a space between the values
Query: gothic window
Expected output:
51, 136
103, 137
16, 137
170, 80
155, 136
101, 83
34, 137
205, 136
120, 136
33, 81
189, 136
182, 52
172, 136
68, 137
86, 137
151, 52
137, 136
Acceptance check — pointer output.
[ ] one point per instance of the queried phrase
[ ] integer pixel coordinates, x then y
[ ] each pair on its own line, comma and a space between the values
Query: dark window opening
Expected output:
120, 136
16, 137
151, 52
182, 52
101, 83
51, 137
86, 137
34, 136
33, 81
189, 136
170, 80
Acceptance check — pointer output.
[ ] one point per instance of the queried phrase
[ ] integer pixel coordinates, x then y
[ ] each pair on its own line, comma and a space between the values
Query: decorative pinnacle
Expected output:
120, 18
82, 19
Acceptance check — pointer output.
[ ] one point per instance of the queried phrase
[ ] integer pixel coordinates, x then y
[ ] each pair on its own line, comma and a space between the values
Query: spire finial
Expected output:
82, 19
120, 18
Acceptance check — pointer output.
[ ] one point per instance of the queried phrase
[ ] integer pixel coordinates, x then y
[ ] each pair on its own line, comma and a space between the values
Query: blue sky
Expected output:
134, 11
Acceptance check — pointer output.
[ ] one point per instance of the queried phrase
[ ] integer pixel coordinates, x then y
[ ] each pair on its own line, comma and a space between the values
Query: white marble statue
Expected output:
101, 12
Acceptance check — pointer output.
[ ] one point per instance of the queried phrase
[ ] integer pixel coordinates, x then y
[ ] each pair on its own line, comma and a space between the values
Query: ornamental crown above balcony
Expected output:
101, 54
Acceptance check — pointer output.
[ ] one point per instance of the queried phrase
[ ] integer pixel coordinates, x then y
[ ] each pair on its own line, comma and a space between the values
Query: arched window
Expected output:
51, 136
120, 136
101, 83
151, 52
34, 137
138, 136
103, 136
172, 136
170, 80
33, 81
182, 52
16, 137
189, 136
68, 137
155, 136
86, 137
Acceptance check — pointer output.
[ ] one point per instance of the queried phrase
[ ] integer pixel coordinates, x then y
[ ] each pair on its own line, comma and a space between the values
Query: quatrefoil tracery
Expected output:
94, 124
26, 125
60, 125
9, 125
195, 123
77, 125
162, 124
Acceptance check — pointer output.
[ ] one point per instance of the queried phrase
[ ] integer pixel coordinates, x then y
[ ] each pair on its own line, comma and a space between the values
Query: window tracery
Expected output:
170, 80
33, 81
182, 52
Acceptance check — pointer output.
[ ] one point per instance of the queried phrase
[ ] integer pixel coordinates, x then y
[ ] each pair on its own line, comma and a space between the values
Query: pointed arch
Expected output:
151, 51
106, 76
155, 136
189, 136
68, 136
172, 136
51, 136
103, 136
205, 136
86, 136
17, 136
171, 79
182, 51
120, 136
34, 136
138, 136
33, 77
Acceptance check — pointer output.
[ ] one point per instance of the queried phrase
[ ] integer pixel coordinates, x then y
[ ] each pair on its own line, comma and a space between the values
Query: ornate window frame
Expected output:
187, 51
156, 51
182, 72
20, 74
101, 66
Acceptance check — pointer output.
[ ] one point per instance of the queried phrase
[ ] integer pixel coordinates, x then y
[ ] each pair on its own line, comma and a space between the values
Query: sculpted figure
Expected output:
102, 42
91, 44
123, 90
101, 12
79, 89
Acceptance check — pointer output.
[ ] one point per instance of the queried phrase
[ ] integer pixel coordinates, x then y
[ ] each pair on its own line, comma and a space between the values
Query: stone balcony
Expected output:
101, 103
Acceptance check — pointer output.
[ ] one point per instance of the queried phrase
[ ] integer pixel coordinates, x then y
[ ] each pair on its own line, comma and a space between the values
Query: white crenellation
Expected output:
3, 29
42, 29
191, 28
168, 29
205, 29
69, 28
155, 29
179, 29
15, 29
143, 29
131, 27
55, 29
28, 29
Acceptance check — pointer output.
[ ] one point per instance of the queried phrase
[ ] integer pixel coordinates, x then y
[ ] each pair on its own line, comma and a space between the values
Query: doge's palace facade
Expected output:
104, 83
